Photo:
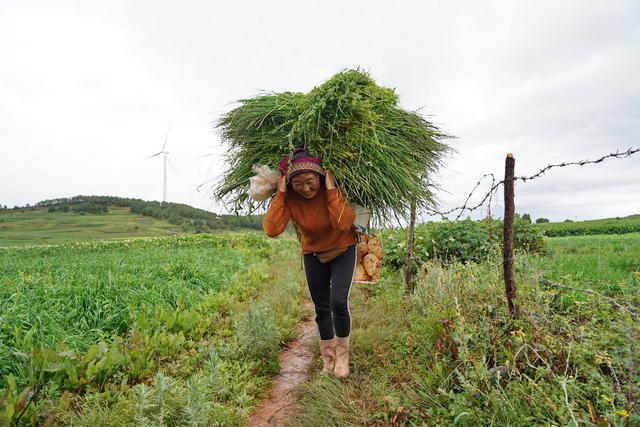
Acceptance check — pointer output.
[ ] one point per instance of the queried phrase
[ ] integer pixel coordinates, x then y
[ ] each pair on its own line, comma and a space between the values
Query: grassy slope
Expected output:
447, 354
41, 227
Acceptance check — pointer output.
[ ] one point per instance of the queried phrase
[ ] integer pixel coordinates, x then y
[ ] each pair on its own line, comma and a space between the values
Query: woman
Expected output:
307, 194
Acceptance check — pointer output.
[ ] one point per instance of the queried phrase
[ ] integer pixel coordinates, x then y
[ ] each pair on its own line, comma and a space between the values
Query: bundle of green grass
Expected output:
382, 156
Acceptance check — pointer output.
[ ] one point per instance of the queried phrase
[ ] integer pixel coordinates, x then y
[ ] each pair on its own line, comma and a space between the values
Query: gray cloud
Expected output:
87, 89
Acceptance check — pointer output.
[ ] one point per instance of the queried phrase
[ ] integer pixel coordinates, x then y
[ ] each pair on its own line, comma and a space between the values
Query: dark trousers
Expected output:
329, 286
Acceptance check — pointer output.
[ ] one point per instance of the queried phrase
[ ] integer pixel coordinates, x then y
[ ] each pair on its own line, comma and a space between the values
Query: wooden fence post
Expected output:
408, 267
507, 237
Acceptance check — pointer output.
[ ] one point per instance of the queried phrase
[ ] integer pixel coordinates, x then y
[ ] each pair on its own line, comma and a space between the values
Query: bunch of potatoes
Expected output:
369, 262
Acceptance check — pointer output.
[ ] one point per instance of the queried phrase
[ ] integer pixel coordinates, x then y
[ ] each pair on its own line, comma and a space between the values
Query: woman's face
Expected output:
306, 184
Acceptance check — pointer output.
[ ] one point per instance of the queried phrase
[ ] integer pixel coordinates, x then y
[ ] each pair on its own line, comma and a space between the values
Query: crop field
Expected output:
78, 294
79, 319
32, 227
629, 224
609, 263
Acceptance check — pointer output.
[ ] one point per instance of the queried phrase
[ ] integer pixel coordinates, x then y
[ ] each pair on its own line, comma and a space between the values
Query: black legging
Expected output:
329, 286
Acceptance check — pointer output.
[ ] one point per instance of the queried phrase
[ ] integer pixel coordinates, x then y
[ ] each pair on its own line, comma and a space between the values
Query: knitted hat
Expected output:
300, 161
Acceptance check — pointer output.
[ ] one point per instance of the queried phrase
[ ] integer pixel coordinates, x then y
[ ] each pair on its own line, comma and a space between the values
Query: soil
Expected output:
295, 364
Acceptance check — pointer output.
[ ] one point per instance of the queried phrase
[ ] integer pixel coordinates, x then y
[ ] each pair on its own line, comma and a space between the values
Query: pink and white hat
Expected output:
300, 161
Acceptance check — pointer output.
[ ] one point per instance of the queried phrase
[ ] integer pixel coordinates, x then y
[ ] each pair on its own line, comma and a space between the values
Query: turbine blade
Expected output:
166, 136
171, 164
153, 155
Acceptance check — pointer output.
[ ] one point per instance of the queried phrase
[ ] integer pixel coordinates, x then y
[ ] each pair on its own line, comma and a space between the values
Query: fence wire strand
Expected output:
488, 197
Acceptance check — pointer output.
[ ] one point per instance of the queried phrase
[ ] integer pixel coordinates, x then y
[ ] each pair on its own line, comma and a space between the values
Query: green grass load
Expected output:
383, 157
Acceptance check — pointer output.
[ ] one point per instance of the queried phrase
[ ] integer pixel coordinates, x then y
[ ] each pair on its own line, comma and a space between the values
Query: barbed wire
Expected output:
496, 185
489, 195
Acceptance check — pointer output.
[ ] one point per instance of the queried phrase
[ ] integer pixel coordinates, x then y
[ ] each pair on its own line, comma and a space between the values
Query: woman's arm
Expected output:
277, 217
341, 215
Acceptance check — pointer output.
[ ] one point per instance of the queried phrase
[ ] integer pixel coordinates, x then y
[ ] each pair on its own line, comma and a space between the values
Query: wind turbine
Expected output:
165, 154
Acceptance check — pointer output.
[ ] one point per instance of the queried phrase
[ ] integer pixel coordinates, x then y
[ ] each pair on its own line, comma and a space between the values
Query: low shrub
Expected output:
257, 333
464, 241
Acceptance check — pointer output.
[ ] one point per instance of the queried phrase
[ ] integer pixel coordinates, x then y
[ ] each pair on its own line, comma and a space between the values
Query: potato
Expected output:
374, 246
361, 275
363, 248
370, 264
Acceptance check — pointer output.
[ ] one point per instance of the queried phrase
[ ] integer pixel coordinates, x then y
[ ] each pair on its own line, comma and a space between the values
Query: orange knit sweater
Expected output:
325, 221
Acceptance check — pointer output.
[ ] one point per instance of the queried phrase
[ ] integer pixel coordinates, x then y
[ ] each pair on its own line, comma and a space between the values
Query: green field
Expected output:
33, 227
628, 224
87, 319
608, 263
77, 294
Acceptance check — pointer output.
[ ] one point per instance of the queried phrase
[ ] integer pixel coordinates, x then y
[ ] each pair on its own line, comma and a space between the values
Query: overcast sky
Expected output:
88, 88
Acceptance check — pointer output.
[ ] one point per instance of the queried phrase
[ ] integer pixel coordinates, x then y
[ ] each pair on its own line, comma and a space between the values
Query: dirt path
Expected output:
295, 363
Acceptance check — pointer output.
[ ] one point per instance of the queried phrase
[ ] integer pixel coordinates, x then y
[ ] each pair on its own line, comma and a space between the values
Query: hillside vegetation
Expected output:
84, 218
38, 226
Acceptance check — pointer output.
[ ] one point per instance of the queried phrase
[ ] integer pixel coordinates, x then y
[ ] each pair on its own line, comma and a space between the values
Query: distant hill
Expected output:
620, 225
104, 217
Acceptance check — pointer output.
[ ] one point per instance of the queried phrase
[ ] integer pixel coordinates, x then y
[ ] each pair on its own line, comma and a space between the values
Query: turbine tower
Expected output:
166, 160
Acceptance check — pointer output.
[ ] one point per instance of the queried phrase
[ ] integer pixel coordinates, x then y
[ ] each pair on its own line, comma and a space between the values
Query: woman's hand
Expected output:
329, 180
282, 184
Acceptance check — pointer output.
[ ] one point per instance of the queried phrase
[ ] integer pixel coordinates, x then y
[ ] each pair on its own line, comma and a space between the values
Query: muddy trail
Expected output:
295, 364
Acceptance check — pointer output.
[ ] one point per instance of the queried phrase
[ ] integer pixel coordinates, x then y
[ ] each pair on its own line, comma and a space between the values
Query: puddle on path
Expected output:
295, 363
